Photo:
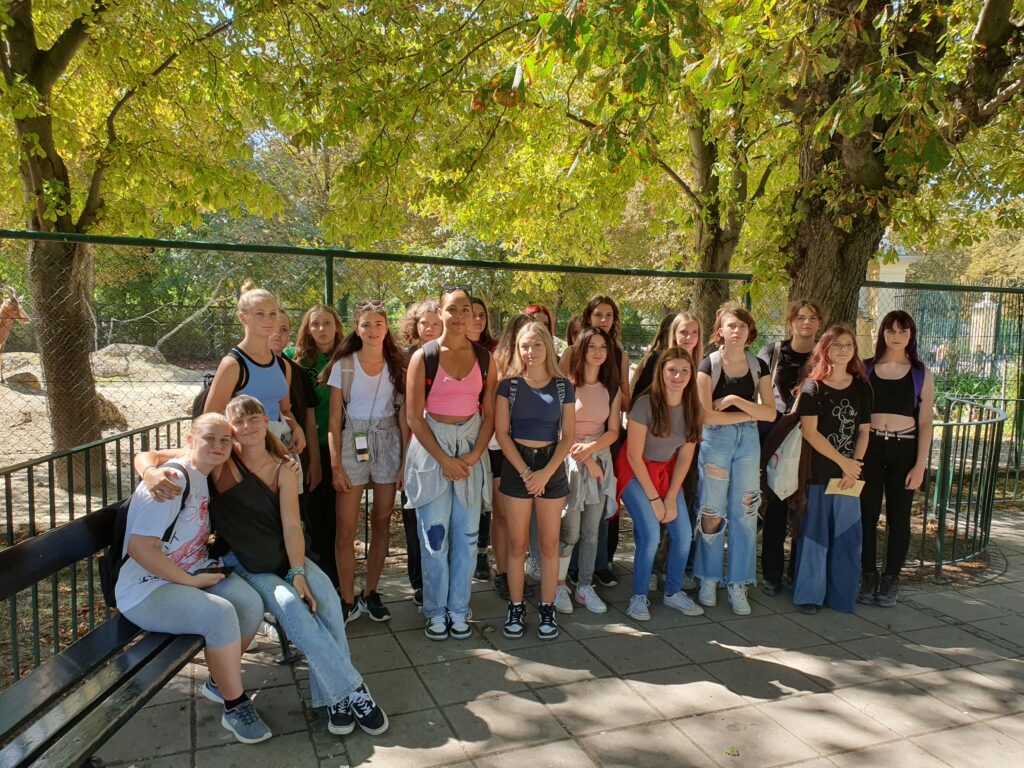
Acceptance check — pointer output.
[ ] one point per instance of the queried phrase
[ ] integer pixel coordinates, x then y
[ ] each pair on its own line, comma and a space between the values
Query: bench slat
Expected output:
57, 675
90, 733
144, 661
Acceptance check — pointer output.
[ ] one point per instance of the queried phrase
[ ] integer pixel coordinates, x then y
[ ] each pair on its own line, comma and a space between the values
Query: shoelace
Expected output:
361, 702
246, 712
339, 708
639, 600
547, 614
515, 614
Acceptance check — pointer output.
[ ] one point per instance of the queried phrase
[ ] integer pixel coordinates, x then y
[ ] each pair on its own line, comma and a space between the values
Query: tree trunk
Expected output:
60, 276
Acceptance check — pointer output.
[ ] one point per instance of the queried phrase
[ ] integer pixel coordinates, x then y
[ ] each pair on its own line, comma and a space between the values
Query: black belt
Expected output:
903, 434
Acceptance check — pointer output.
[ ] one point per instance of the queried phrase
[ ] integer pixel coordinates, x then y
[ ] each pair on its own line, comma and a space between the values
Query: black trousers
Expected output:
886, 465
484, 539
774, 529
412, 546
321, 521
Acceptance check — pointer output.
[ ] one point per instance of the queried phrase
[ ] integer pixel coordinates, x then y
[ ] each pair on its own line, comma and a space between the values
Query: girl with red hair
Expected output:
835, 414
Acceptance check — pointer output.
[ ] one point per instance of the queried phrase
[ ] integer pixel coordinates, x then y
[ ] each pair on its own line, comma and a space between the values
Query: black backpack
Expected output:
111, 561
432, 359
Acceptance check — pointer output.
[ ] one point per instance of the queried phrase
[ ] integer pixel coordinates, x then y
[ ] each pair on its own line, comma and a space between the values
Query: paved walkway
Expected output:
936, 681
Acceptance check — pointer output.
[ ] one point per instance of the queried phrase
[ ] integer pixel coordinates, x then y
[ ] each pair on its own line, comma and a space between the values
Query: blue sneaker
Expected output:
246, 724
212, 692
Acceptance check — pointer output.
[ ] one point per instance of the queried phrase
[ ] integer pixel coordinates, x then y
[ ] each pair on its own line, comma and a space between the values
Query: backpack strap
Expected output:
243, 369
775, 357
431, 361
560, 386
755, 370
348, 372
716, 369
184, 497
513, 384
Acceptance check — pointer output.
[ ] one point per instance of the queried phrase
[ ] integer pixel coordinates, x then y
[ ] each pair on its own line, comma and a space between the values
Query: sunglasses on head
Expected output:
369, 304
454, 288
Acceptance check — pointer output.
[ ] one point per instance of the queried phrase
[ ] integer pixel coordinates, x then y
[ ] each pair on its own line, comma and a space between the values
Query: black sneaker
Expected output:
770, 588
417, 596
809, 608
572, 577
515, 624
868, 593
483, 568
339, 720
605, 578
501, 585
888, 591
547, 626
351, 611
373, 607
367, 714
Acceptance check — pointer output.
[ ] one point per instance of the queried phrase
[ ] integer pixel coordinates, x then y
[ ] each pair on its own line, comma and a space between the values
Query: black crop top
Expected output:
743, 386
894, 396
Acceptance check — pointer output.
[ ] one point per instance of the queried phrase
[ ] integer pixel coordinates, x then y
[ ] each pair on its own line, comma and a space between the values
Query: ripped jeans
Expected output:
448, 535
730, 490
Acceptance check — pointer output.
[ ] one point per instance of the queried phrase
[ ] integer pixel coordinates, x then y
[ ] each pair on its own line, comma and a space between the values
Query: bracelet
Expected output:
522, 475
293, 572
654, 498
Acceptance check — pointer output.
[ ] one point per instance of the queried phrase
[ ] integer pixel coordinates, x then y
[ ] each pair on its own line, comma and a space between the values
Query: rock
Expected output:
132, 353
110, 416
26, 380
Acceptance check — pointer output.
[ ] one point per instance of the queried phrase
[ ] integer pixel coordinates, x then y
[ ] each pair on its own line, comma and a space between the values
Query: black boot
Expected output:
483, 568
888, 591
868, 593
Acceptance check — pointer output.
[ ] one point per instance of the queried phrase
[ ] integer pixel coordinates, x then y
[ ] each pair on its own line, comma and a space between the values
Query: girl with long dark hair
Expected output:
480, 333
901, 436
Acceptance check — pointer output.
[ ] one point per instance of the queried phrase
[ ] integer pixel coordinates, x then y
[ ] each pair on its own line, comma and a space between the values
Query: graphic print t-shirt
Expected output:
840, 413
187, 545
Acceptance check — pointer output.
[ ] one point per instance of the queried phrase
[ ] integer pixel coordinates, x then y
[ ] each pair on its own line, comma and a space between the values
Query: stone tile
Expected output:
646, 745
901, 753
705, 642
405, 614
1012, 726
487, 605
683, 691
829, 665
293, 751
761, 679
470, 678
625, 655
595, 705
1009, 628
414, 740
377, 653
897, 657
838, 627
171, 761
491, 631
281, 708
1008, 673
154, 731
556, 664
900, 618
961, 606
773, 633
998, 595
958, 644
364, 626
497, 723
827, 723
422, 650
260, 671
556, 755
744, 737
583, 625
178, 688
902, 707
971, 692
398, 691
972, 746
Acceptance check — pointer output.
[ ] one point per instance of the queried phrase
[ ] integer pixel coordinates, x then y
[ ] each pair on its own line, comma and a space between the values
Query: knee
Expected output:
435, 539
710, 521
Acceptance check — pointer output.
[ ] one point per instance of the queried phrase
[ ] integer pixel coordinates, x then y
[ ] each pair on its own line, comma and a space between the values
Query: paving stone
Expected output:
405, 614
773, 633
901, 753
504, 722
969, 691
1008, 673
1009, 628
582, 624
414, 740
999, 596
260, 671
683, 691
178, 688
625, 654
838, 627
555, 755
470, 678
1012, 726
900, 618
898, 657
827, 723
760, 678
961, 606
972, 746
281, 708
958, 644
422, 650
487, 605
364, 626
377, 653
398, 691
830, 665
556, 664
653, 744
705, 642
744, 737
293, 751
171, 761
902, 707
154, 731
596, 705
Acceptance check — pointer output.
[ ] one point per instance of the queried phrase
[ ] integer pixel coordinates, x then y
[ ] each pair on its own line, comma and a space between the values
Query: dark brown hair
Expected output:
661, 417
607, 374
738, 311
394, 358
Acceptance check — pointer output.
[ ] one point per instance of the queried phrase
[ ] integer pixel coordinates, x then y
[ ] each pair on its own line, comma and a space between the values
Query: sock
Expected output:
230, 704
563, 567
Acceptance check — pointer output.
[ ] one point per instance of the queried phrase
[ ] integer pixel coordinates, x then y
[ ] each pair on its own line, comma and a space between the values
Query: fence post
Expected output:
941, 499
329, 281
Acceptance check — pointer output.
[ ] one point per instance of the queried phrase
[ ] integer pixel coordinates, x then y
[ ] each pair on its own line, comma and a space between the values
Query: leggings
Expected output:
321, 519
222, 614
886, 465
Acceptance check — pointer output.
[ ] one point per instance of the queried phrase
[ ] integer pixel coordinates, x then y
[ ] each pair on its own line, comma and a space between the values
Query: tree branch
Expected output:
762, 184
994, 26
54, 62
992, 106
214, 296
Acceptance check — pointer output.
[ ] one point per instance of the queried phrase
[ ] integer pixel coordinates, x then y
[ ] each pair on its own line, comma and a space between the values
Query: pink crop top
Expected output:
455, 397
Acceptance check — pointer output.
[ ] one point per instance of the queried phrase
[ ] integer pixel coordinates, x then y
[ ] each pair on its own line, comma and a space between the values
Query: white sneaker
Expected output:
458, 626
531, 568
683, 602
689, 582
638, 608
563, 600
587, 597
738, 599
708, 595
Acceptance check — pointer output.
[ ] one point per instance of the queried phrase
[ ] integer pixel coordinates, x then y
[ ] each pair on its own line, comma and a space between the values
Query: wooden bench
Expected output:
62, 712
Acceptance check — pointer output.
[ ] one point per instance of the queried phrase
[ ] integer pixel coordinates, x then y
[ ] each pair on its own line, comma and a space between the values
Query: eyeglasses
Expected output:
369, 304
454, 288
844, 347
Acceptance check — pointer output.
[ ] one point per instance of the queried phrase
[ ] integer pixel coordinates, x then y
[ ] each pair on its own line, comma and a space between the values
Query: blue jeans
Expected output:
646, 535
730, 490
448, 535
828, 551
320, 636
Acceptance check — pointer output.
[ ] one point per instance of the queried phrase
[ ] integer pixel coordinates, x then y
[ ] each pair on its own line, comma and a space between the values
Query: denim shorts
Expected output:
536, 458
497, 460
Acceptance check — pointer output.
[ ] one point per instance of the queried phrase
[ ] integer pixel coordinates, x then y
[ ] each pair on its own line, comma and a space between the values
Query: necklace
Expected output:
265, 461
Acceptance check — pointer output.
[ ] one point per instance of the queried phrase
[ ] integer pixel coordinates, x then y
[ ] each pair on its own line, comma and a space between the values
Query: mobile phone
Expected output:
227, 570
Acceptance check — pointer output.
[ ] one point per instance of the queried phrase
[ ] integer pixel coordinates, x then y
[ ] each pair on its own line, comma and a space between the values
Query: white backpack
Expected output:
783, 468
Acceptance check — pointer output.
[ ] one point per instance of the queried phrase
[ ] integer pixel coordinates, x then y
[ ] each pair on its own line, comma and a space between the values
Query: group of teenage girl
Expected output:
502, 442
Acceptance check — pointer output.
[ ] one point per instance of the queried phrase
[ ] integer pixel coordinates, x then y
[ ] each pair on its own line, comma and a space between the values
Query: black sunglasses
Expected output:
371, 303
454, 288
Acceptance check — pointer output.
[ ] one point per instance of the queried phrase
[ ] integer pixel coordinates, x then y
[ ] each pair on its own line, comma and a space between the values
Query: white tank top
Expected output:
361, 399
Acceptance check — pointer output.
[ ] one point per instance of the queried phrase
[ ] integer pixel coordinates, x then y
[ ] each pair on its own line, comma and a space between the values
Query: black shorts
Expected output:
536, 458
497, 459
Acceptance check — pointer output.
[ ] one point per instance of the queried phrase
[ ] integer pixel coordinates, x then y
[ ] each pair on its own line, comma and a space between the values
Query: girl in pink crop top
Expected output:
455, 397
